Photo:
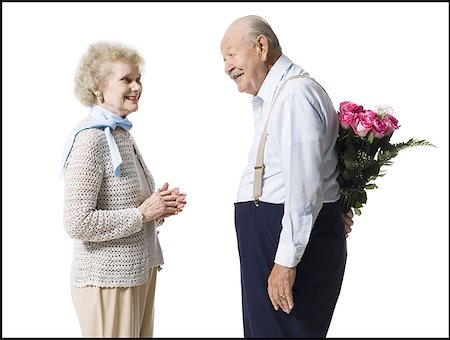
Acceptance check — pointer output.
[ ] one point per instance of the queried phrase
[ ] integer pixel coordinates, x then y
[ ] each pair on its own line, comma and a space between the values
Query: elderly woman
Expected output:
111, 207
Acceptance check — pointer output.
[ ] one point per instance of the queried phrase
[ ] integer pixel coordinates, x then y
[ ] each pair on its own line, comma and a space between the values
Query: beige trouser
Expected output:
116, 312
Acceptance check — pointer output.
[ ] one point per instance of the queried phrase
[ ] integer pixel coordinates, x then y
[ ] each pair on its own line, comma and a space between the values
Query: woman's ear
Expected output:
99, 95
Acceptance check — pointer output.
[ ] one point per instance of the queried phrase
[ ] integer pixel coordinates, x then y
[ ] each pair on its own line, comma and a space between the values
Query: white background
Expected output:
194, 129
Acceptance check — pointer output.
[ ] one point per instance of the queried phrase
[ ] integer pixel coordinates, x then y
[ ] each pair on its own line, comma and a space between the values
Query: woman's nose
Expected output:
136, 86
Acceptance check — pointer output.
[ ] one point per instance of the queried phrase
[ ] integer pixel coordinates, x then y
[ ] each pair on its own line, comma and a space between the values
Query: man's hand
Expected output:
348, 222
280, 282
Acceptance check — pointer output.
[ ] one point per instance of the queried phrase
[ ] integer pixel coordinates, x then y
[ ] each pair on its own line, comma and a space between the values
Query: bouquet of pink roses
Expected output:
363, 148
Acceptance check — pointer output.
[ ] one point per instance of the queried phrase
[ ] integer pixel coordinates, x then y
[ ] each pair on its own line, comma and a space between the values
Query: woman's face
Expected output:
122, 89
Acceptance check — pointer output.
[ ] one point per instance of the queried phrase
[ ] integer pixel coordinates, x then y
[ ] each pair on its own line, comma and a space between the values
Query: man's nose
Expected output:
228, 67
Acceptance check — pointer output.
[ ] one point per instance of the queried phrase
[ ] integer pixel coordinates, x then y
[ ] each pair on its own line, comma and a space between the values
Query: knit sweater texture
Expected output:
112, 245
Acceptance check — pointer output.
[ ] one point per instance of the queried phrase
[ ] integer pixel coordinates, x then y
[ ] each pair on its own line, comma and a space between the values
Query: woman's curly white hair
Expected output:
94, 68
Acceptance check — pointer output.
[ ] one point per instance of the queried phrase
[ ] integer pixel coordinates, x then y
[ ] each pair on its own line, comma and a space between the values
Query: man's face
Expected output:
243, 60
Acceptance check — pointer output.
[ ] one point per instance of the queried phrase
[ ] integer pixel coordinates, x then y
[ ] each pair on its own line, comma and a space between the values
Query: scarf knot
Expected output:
107, 121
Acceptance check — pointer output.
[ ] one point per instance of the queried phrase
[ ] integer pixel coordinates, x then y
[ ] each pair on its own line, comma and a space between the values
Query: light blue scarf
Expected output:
108, 121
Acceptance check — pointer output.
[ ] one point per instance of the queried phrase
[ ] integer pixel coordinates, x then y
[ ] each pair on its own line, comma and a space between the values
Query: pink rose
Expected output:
391, 123
350, 107
347, 118
379, 127
364, 123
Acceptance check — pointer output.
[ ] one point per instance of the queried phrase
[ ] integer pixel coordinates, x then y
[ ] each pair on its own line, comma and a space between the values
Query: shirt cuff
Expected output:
288, 256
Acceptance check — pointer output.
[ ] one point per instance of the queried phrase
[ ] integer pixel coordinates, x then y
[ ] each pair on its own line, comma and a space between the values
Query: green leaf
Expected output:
350, 153
413, 142
362, 197
371, 169
360, 162
346, 175
349, 164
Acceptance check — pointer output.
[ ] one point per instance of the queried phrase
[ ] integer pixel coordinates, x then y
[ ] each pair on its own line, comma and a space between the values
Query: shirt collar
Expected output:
273, 78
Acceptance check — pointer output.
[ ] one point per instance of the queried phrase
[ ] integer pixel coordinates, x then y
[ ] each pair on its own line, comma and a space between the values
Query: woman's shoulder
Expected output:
92, 136
90, 141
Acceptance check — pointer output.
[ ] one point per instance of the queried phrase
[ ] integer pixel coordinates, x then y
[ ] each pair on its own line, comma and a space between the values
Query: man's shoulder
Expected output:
305, 89
301, 85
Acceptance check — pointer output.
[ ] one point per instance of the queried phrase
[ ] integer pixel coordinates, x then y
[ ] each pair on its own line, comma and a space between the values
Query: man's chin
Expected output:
241, 89
246, 91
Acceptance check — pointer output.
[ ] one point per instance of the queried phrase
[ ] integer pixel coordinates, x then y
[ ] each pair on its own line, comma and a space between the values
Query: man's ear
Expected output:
262, 45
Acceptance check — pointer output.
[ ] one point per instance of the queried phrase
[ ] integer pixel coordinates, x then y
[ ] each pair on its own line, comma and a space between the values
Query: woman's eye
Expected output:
126, 80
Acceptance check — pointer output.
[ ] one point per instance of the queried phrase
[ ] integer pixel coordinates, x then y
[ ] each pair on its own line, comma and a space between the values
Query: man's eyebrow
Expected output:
230, 49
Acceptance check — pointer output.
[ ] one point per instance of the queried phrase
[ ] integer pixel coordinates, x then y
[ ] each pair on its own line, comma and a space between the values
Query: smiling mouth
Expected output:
132, 98
236, 76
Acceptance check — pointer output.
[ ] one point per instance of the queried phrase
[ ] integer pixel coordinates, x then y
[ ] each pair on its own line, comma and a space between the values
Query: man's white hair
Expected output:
255, 26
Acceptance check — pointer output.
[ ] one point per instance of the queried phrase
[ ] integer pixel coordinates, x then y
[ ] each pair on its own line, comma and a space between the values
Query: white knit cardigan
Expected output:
112, 246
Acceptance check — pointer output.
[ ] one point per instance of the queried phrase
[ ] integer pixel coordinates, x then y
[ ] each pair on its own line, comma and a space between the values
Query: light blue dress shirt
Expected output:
299, 157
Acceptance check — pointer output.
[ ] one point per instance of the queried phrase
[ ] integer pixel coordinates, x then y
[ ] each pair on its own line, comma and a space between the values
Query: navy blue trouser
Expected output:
319, 273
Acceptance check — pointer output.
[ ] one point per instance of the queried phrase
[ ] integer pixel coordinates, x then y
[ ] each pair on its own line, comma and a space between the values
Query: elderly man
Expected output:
289, 225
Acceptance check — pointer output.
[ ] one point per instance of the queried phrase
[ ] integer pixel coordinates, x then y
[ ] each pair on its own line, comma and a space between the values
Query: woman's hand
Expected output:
163, 203
164, 191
